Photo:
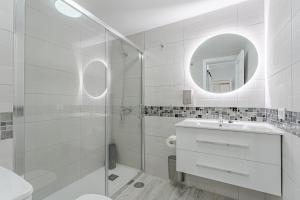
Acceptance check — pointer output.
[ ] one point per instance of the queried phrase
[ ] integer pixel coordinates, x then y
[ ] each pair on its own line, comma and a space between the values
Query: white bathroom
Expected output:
149, 100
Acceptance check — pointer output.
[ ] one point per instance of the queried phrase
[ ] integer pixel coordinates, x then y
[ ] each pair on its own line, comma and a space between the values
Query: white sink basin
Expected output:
254, 127
13, 187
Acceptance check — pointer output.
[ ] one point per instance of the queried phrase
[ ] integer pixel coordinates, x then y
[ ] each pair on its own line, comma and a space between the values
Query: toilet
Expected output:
93, 197
13, 186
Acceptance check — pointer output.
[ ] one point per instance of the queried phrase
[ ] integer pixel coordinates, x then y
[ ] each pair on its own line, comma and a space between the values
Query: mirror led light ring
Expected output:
202, 41
84, 70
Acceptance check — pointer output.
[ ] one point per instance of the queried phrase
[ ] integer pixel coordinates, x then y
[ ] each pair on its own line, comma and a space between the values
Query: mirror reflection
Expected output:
94, 78
224, 63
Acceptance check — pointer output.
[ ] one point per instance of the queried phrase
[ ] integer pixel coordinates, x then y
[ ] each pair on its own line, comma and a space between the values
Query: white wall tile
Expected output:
164, 75
280, 14
204, 25
251, 12
295, 6
283, 80
157, 130
288, 192
40, 107
52, 28
156, 146
6, 66
164, 35
295, 161
48, 133
6, 44
163, 95
281, 89
6, 76
127, 141
6, 153
296, 86
131, 88
49, 81
280, 51
251, 98
296, 38
160, 126
6, 99
167, 55
130, 158
6, 14
60, 58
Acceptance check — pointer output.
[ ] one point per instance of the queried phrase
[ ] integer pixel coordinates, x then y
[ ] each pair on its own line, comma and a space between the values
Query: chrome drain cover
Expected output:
112, 177
139, 185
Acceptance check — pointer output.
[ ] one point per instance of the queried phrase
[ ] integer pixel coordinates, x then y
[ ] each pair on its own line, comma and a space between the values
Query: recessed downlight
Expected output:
67, 10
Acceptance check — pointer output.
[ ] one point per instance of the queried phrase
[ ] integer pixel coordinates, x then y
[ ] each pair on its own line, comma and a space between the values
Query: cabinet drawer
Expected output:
253, 175
249, 146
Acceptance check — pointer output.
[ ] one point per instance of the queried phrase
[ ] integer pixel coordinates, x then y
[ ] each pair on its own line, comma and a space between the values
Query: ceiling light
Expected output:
67, 10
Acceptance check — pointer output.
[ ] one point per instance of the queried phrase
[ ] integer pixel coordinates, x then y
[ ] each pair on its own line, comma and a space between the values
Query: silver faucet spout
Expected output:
220, 119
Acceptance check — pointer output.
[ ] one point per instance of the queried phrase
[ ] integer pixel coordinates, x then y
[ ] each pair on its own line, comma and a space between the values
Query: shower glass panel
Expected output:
65, 103
125, 93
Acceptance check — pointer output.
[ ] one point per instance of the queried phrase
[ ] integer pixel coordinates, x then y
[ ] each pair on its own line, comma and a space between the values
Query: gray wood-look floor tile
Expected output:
159, 189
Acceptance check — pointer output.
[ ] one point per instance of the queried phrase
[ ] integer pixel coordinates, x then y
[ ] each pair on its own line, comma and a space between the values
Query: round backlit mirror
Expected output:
94, 79
224, 63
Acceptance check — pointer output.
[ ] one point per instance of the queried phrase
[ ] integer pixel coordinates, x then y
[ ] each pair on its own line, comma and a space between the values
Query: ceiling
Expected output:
133, 16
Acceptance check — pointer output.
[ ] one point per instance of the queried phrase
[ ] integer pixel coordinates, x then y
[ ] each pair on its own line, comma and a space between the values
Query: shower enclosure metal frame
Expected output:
19, 84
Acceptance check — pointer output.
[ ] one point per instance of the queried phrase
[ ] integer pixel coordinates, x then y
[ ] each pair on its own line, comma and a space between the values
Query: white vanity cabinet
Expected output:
244, 154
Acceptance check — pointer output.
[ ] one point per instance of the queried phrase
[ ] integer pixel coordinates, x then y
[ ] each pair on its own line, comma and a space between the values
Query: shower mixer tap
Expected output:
125, 110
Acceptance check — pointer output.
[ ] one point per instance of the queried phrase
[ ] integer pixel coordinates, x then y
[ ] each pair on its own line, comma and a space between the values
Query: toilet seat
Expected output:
93, 197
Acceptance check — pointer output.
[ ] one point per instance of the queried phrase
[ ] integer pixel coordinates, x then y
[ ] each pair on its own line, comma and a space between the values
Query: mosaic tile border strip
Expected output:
291, 124
6, 126
229, 113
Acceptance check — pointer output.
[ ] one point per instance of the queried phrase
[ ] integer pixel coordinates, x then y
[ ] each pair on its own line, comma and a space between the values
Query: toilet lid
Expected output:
93, 197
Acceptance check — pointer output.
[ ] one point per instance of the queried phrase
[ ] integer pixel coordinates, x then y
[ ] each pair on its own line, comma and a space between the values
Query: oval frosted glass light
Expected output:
67, 10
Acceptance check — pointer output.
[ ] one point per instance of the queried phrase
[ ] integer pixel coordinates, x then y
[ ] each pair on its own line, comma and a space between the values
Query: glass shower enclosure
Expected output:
78, 97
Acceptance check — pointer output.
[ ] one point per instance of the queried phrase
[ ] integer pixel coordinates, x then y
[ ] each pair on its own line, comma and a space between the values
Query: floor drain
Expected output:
139, 185
112, 177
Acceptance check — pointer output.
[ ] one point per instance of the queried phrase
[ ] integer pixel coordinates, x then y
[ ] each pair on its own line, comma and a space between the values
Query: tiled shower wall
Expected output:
126, 94
283, 88
6, 77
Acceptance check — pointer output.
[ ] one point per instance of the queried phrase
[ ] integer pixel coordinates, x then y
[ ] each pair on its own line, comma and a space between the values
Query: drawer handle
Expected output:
223, 143
223, 170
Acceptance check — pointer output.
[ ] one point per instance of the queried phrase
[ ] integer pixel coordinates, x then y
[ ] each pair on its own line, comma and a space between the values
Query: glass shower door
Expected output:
125, 93
65, 98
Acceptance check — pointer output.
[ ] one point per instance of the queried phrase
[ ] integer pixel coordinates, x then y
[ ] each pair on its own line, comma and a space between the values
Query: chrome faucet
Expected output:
220, 119
125, 110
